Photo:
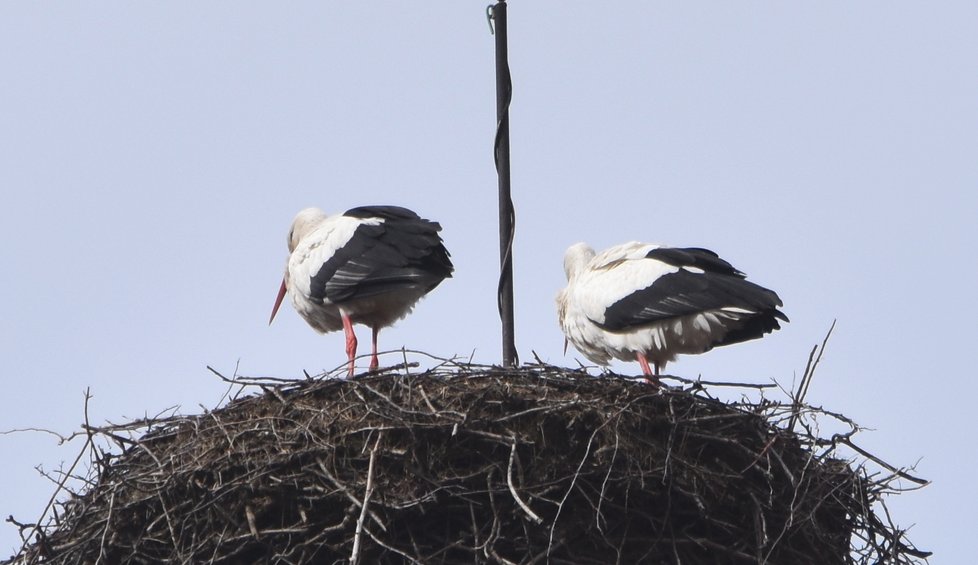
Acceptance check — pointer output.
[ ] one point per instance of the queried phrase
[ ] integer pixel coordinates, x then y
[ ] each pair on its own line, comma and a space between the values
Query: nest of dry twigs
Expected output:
473, 464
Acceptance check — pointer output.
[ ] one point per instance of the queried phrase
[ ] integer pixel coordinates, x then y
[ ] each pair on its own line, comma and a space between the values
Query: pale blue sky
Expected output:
152, 156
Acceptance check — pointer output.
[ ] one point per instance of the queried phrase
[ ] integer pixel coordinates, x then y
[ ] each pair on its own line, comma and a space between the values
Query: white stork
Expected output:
369, 265
645, 302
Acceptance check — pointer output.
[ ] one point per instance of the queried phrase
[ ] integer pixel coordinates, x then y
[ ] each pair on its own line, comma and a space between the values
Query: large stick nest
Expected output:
471, 464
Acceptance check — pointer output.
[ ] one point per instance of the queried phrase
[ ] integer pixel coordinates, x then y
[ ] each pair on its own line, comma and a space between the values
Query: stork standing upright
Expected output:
647, 303
369, 265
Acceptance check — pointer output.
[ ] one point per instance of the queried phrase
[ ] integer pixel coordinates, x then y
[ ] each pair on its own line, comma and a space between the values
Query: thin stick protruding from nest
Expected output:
806, 380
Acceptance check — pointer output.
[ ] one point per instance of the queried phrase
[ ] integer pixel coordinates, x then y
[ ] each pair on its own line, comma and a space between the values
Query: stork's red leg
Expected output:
351, 340
374, 362
647, 371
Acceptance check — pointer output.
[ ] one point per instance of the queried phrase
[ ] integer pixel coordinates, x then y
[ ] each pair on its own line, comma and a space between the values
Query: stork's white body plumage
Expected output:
645, 302
367, 266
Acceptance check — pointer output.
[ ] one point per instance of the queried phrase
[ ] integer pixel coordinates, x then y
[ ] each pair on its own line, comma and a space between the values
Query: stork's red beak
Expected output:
278, 302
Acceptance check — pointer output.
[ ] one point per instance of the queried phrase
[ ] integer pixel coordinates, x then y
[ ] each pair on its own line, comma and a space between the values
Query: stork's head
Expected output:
303, 224
576, 258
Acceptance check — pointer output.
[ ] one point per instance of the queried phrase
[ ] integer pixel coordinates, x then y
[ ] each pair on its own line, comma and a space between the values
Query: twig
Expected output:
577, 473
806, 378
389, 547
342, 488
252, 525
355, 556
512, 487
105, 531
898, 472
61, 439
700, 382
64, 478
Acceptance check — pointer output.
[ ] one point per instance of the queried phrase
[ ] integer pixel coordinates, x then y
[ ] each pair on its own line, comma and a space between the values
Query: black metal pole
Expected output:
504, 92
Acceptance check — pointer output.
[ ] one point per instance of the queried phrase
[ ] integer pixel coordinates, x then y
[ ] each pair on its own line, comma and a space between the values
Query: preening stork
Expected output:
369, 265
647, 303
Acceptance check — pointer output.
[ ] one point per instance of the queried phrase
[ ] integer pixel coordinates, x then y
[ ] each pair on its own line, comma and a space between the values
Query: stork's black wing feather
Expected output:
683, 293
404, 251
694, 257
710, 284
